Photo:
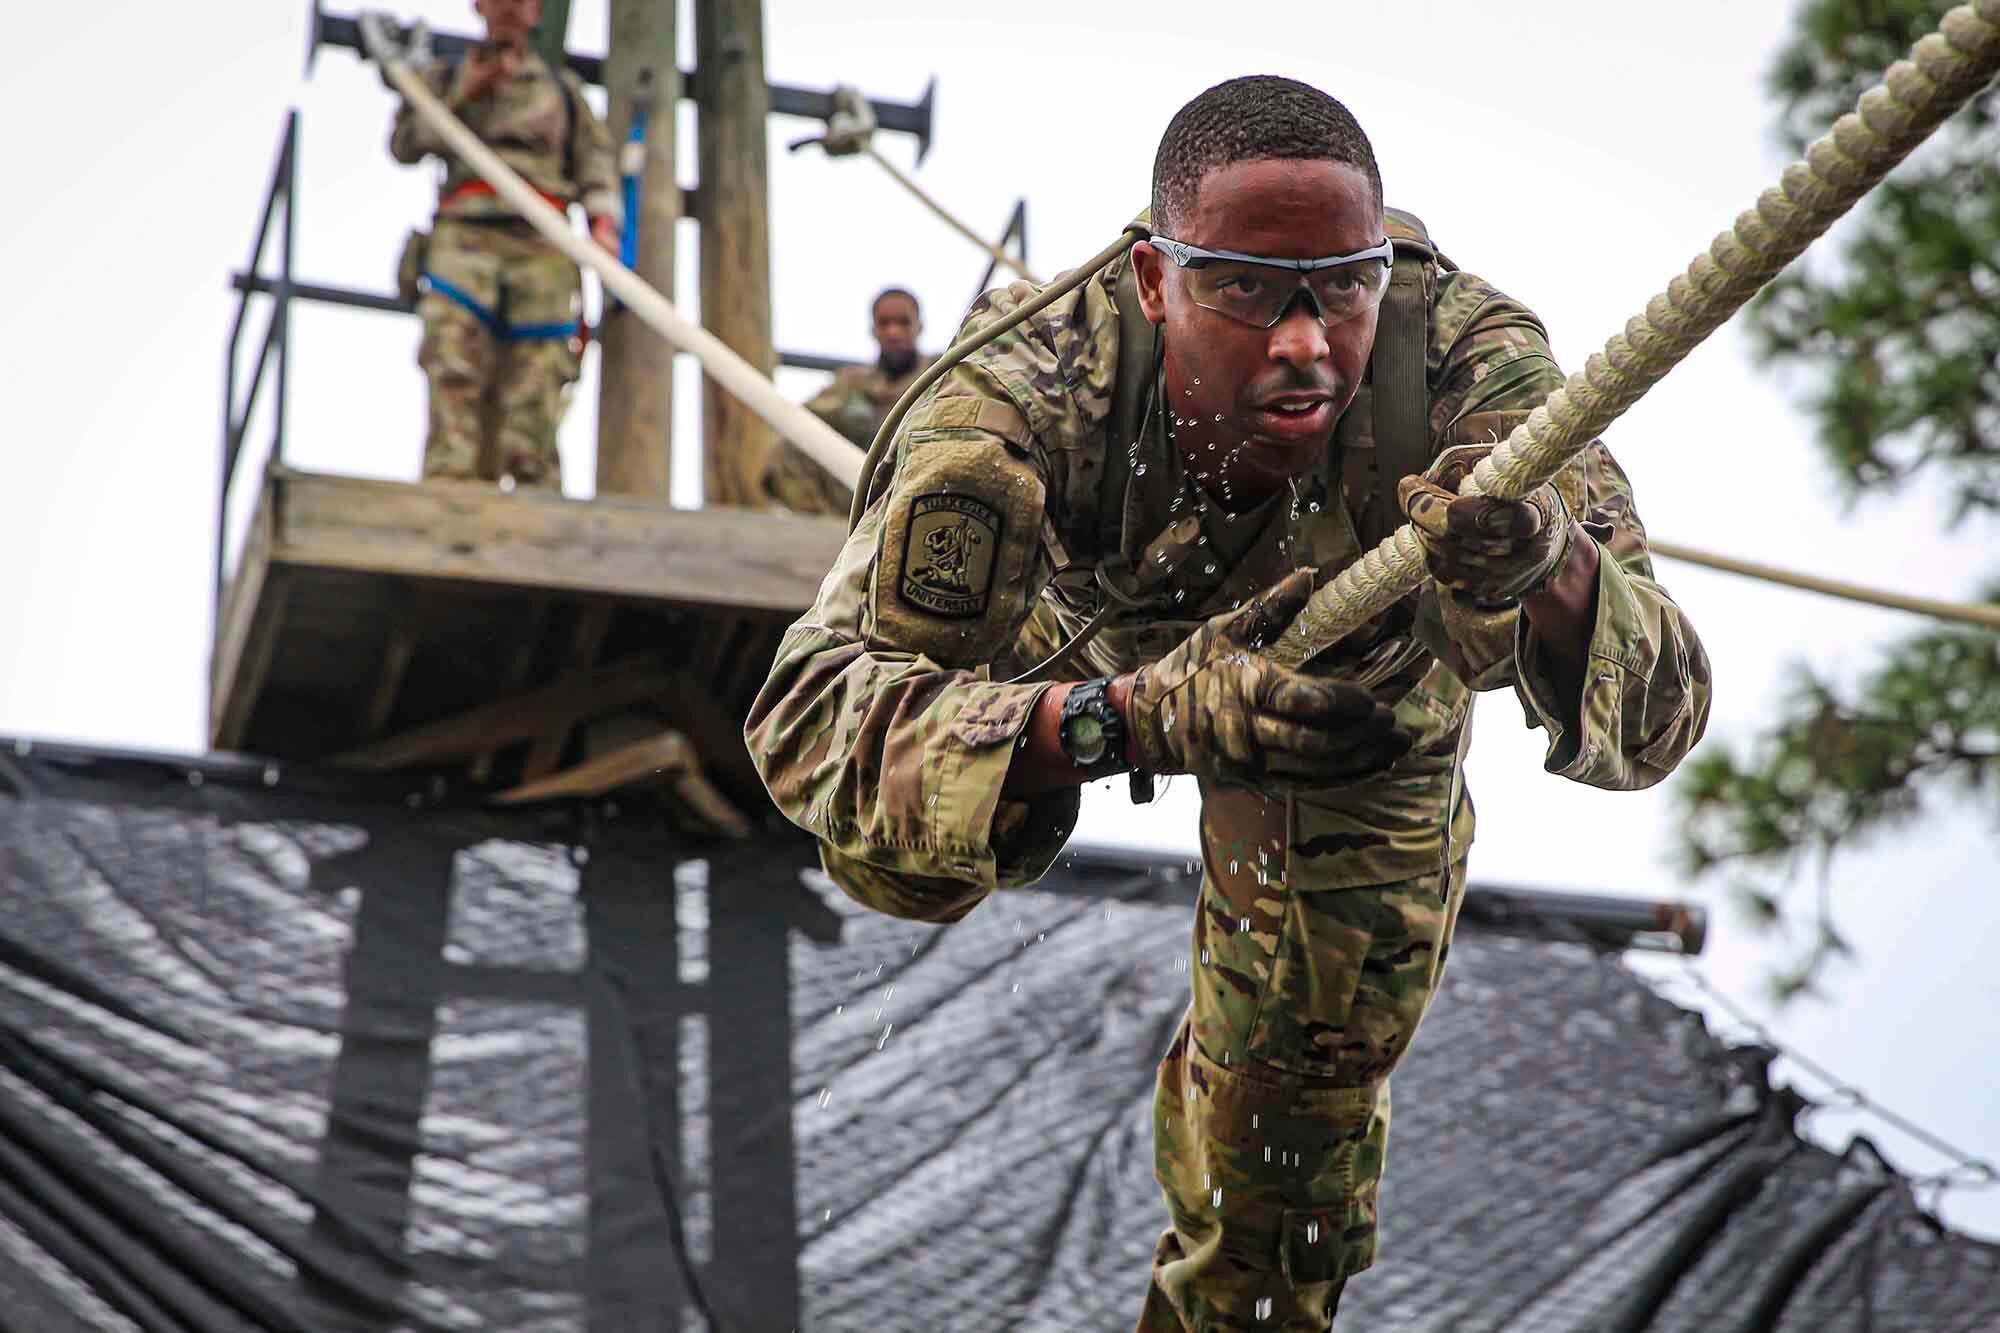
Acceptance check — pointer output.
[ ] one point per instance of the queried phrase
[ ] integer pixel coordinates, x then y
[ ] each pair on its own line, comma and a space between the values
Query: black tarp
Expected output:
284, 1051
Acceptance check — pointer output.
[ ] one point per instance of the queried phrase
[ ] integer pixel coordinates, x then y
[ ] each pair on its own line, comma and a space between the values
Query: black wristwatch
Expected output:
1092, 729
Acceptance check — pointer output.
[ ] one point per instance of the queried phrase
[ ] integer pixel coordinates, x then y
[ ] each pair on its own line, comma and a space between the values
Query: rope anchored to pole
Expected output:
850, 132
745, 382
1943, 72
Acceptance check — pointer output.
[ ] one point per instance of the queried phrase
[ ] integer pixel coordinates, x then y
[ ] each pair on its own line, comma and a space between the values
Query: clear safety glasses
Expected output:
1258, 290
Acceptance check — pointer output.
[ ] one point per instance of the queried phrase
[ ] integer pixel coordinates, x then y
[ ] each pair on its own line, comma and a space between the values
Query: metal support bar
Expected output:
912, 118
283, 188
396, 305
1016, 229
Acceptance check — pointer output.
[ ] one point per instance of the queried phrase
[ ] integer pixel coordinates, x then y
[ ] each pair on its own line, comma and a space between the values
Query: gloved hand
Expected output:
1218, 708
1486, 550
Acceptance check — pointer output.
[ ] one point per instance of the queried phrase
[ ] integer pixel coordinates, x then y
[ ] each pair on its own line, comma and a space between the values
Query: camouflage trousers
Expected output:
501, 348
1271, 1108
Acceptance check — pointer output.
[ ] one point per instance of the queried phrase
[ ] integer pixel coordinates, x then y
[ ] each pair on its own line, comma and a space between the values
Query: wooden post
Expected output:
552, 32
635, 402
734, 103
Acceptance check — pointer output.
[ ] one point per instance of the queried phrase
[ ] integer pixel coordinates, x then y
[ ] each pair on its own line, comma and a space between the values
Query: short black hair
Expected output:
1258, 117
888, 292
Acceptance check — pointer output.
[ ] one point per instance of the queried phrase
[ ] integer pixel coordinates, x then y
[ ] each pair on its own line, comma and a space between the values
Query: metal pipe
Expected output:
353, 298
912, 118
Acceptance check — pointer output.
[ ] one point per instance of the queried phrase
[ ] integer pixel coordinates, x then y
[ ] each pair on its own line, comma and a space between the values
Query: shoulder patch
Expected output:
948, 554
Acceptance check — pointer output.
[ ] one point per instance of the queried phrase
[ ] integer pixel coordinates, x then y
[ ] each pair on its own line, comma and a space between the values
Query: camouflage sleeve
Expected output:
1646, 690
845, 405
411, 137
595, 162
880, 730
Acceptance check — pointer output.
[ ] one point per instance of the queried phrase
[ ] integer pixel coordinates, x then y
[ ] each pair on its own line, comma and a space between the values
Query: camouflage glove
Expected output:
1218, 708
1486, 550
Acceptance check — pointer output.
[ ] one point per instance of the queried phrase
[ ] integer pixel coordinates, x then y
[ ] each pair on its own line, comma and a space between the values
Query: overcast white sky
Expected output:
1575, 153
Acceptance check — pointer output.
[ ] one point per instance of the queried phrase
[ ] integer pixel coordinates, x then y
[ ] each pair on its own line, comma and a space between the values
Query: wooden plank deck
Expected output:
362, 610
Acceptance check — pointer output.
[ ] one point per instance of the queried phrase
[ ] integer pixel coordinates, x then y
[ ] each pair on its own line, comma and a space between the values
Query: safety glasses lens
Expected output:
1258, 294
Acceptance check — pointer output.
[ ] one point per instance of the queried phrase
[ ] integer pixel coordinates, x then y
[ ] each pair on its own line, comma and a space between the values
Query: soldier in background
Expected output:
855, 404
503, 337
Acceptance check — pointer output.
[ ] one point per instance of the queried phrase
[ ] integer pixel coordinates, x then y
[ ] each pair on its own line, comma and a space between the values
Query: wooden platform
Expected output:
388, 624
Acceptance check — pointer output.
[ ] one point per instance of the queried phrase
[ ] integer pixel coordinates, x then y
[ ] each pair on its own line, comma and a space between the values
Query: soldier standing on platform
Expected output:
855, 404
503, 335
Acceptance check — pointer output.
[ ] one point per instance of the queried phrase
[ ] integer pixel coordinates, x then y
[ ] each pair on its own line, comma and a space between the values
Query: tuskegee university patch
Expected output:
948, 554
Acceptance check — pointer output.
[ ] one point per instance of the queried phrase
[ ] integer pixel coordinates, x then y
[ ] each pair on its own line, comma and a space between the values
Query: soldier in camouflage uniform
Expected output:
501, 306
1334, 828
855, 404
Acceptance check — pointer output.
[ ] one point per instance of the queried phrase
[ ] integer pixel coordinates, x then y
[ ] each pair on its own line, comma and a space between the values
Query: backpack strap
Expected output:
1401, 394
1131, 404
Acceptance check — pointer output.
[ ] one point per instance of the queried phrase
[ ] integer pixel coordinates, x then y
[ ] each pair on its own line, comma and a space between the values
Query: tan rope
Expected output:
998, 255
745, 382
1944, 70
1985, 616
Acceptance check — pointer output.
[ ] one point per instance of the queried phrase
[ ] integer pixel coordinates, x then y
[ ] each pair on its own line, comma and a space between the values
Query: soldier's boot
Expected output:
457, 356
535, 377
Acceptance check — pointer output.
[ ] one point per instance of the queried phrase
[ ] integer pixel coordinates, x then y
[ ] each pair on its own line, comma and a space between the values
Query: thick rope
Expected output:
998, 255
745, 382
1944, 71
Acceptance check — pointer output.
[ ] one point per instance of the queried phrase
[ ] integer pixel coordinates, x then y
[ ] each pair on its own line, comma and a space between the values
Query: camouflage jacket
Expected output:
855, 404
886, 727
538, 122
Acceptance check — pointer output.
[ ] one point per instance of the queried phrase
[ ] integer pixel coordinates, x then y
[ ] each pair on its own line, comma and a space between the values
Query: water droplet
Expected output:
1253, 1124
1215, 1197
885, 1036
1233, 863
579, 855
825, 1096
1204, 958
1211, 446
1263, 1307
1312, 1233
1243, 925
1179, 594
1197, 379
1208, 568
1267, 1152
829, 1216
1139, 471
1218, 418
194, 777
1313, 507
270, 775
1016, 990
1207, 1180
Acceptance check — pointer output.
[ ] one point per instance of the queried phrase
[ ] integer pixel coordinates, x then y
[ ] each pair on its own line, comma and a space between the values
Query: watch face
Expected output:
1086, 740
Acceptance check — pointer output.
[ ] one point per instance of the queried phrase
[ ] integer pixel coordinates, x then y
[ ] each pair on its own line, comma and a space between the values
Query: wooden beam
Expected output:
635, 404
404, 614
520, 658
735, 104
466, 531
504, 721
244, 683
592, 621
666, 756
247, 625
